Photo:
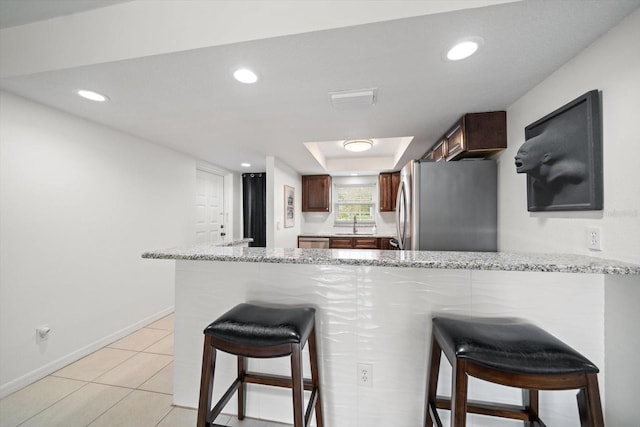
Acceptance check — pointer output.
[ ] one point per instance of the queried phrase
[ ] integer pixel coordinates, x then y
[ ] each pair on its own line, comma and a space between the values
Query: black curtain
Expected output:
254, 207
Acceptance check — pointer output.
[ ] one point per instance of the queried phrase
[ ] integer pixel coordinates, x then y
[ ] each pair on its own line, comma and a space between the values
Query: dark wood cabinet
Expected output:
384, 244
455, 141
341, 243
365, 243
361, 242
316, 193
439, 152
474, 135
388, 183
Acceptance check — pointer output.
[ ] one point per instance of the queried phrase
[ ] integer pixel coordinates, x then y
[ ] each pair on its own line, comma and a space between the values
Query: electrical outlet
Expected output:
594, 238
365, 374
42, 333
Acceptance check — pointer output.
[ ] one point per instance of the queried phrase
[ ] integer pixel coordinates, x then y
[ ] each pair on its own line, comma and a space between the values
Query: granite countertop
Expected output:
236, 242
505, 261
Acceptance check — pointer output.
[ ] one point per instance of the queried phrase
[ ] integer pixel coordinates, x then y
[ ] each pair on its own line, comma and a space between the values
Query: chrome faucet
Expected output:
355, 220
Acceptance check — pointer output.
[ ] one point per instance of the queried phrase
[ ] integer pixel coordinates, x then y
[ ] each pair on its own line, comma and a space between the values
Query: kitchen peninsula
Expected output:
375, 307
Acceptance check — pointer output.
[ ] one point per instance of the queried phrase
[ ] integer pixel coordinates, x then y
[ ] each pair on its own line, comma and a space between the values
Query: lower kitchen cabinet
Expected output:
365, 242
341, 243
384, 244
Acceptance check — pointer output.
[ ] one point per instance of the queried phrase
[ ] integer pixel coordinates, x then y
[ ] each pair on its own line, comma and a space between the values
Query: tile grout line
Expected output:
137, 388
92, 380
112, 406
131, 390
165, 416
148, 379
142, 350
59, 400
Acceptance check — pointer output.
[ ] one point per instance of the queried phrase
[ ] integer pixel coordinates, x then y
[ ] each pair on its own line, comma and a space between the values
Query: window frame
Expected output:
373, 204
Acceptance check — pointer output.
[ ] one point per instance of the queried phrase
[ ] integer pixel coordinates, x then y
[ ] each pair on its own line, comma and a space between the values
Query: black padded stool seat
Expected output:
249, 330
512, 353
253, 325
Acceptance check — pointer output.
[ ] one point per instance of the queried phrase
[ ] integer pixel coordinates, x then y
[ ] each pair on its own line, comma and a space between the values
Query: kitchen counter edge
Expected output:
500, 261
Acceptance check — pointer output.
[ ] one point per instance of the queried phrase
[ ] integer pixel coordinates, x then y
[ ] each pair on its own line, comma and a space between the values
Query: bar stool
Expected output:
511, 353
249, 330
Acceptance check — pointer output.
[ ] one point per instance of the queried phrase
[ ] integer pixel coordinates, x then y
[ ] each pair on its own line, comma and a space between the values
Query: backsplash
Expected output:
323, 223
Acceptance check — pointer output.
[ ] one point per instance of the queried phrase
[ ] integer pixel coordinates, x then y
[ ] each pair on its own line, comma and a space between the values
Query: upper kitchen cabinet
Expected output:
439, 152
474, 135
316, 193
388, 183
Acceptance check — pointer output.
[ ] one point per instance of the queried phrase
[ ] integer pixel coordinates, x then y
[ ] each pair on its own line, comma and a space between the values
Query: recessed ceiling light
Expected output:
357, 145
245, 165
245, 75
93, 96
464, 49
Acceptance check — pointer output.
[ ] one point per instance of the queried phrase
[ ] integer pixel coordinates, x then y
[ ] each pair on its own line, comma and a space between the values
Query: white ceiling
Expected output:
20, 12
188, 100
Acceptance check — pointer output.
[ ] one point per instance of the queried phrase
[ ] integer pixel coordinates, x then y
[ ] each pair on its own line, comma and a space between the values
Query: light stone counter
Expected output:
501, 261
237, 242
375, 307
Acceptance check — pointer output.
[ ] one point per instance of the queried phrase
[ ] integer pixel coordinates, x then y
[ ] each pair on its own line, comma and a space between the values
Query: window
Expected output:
354, 200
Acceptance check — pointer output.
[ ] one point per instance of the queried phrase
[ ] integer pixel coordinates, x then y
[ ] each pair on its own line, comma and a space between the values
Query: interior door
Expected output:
209, 207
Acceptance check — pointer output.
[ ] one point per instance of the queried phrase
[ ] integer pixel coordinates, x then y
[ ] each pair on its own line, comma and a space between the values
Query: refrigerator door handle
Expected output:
401, 216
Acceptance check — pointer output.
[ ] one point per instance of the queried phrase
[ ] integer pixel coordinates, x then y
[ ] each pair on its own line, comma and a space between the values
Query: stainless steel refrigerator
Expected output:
447, 206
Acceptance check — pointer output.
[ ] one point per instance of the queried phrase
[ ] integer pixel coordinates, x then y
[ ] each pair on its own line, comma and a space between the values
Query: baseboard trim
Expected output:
51, 367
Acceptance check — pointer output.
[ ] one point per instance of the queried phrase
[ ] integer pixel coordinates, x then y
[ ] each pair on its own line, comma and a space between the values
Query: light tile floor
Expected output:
125, 384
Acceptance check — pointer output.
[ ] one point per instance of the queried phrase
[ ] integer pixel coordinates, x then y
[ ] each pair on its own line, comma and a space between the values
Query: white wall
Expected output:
611, 65
622, 345
322, 222
280, 174
79, 203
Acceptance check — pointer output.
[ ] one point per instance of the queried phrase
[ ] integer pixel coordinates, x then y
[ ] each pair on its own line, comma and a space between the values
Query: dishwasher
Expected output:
313, 242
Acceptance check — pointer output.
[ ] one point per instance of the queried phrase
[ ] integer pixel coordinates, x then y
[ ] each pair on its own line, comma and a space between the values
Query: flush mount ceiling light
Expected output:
93, 96
357, 145
464, 49
244, 75
245, 165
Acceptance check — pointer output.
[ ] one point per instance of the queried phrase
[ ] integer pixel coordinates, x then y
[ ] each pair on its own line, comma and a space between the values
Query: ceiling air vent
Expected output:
353, 98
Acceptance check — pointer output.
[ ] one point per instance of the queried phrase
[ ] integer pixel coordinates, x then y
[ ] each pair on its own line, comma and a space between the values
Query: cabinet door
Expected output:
316, 193
388, 183
340, 243
395, 184
486, 133
455, 141
383, 243
365, 243
477, 135
439, 153
384, 192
